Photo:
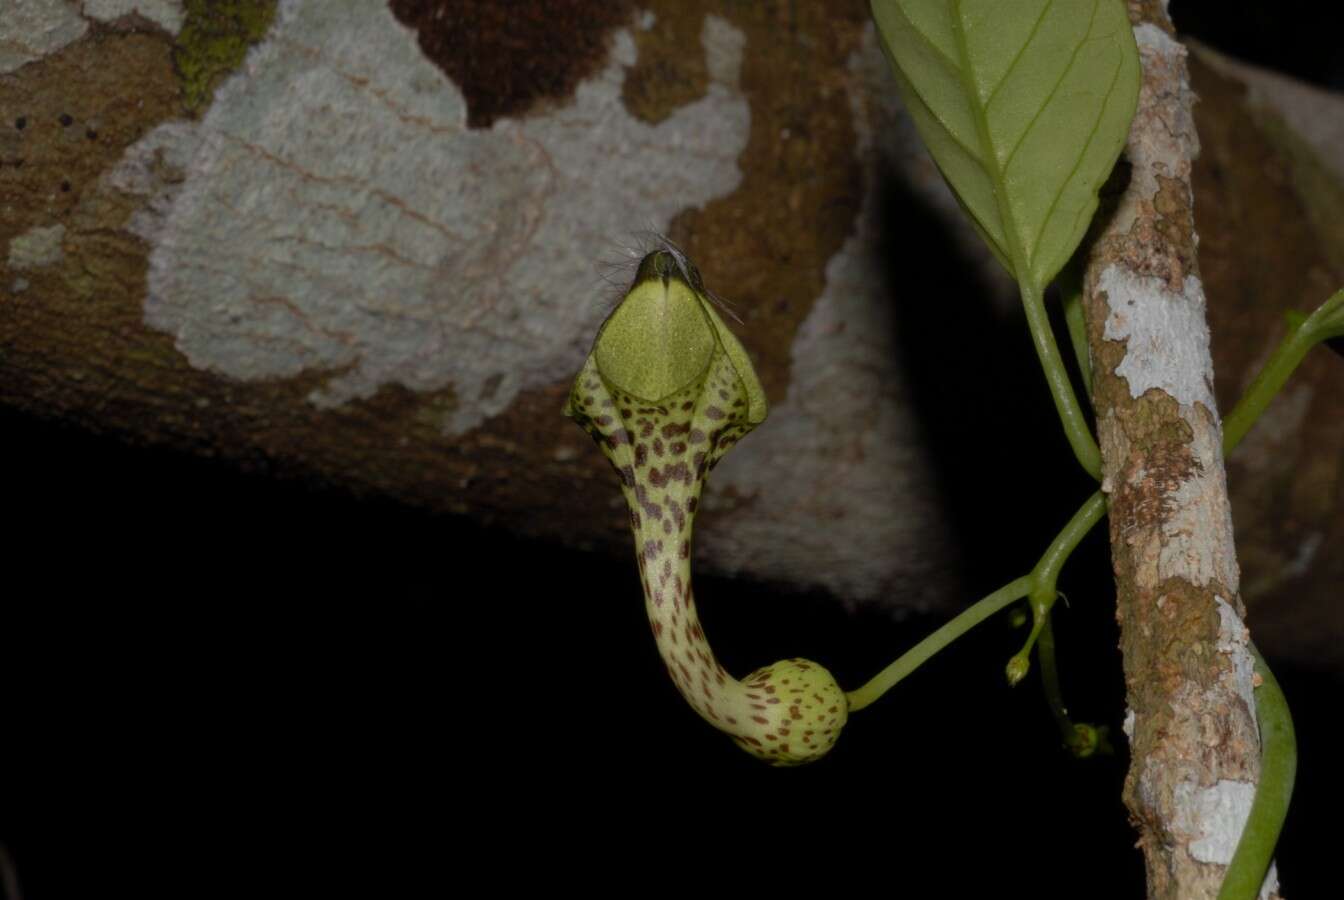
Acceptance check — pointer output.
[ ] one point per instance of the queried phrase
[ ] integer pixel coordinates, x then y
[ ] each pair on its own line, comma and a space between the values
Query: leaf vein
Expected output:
1017, 57
934, 114
1045, 104
949, 63
1096, 126
951, 135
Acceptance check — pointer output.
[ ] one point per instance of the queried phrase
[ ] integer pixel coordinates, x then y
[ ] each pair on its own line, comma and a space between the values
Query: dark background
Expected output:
212, 680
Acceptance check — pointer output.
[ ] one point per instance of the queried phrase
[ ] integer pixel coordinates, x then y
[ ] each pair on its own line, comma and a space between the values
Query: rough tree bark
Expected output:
1188, 670
364, 252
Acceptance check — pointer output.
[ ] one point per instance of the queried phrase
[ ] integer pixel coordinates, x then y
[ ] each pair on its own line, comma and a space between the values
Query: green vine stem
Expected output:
922, 652
1070, 284
1036, 585
1278, 770
1326, 322
1082, 739
1071, 417
1278, 743
1054, 696
1045, 576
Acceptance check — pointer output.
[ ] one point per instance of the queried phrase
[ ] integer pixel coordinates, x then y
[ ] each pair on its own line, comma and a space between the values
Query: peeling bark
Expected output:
1191, 722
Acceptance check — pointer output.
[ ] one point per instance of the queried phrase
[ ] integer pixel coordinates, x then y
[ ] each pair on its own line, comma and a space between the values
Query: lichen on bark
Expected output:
1193, 732
827, 302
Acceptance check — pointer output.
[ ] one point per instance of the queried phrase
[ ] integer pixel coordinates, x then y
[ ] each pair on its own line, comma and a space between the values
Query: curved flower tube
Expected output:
666, 391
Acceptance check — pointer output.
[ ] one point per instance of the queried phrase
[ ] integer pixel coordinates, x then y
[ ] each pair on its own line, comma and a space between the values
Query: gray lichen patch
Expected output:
37, 247
167, 14
334, 213
1233, 639
1168, 338
1213, 817
32, 29
1196, 534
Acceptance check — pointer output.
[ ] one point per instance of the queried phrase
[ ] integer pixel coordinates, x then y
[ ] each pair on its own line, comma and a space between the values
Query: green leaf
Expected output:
1024, 105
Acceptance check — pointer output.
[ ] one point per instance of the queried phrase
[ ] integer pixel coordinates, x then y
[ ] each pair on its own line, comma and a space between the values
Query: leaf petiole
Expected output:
1071, 417
1071, 294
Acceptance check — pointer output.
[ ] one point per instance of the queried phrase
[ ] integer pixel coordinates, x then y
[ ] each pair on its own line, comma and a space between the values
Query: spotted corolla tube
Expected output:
666, 391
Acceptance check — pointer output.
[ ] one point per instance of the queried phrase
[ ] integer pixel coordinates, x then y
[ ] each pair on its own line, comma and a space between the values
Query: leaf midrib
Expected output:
950, 65
1012, 234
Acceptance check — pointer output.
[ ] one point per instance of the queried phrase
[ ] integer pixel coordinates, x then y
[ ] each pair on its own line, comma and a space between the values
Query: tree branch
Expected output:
1188, 669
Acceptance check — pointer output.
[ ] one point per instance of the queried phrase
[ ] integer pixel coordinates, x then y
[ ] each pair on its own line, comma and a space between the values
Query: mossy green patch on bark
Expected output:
213, 41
